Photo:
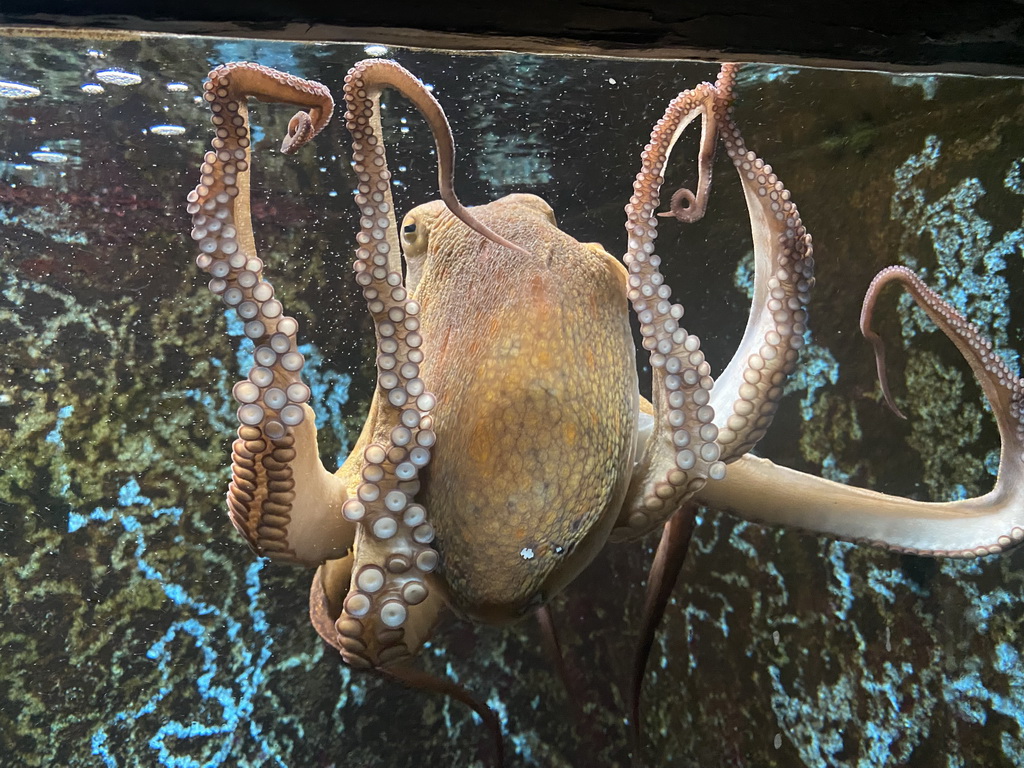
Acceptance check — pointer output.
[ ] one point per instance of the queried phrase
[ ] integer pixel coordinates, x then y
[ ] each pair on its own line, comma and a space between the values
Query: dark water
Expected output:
137, 629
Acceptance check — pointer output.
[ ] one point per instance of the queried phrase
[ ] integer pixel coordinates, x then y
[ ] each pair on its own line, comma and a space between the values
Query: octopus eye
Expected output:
414, 234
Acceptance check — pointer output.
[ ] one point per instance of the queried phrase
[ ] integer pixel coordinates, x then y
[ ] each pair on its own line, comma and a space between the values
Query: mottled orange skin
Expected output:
531, 361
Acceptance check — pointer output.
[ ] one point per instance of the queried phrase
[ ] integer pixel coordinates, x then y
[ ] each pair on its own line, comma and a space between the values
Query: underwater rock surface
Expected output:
138, 630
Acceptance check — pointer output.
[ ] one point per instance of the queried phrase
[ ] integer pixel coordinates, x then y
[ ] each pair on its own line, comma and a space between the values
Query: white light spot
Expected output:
10, 90
611, 81
46, 156
118, 77
167, 130
376, 50
177, 87
93, 88
526, 553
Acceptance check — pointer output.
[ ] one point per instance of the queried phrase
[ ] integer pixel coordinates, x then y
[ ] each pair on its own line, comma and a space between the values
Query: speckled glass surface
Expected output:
136, 629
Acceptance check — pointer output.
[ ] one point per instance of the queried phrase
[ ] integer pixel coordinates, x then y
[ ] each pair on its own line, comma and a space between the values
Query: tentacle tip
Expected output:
890, 402
878, 347
685, 207
892, 406
300, 131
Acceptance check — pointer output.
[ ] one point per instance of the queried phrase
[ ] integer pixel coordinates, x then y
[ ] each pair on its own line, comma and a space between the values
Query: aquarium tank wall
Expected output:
138, 629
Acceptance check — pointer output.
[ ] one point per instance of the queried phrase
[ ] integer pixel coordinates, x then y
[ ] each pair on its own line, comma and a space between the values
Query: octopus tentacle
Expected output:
423, 681
915, 286
746, 394
688, 206
989, 524
327, 596
668, 561
682, 452
393, 552
363, 101
326, 599
1003, 389
281, 498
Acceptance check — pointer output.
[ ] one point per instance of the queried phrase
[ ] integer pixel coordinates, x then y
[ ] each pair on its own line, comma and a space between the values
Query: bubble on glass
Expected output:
10, 90
376, 50
95, 53
48, 156
177, 87
118, 77
93, 88
167, 130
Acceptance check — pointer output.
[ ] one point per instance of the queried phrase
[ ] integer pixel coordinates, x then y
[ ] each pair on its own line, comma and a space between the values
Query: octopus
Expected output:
506, 441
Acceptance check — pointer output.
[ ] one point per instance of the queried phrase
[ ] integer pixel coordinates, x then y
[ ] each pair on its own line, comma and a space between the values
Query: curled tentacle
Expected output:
747, 393
1002, 388
280, 498
682, 452
877, 345
685, 205
988, 524
715, 422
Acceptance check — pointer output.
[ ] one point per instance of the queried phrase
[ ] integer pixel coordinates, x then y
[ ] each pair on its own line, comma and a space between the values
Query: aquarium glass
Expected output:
137, 629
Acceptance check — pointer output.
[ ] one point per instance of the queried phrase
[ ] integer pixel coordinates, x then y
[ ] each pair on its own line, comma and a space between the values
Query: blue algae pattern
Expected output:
137, 629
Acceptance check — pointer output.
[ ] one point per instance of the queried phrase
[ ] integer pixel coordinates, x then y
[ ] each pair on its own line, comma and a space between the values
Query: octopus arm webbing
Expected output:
281, 498
760, 490
746, 394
